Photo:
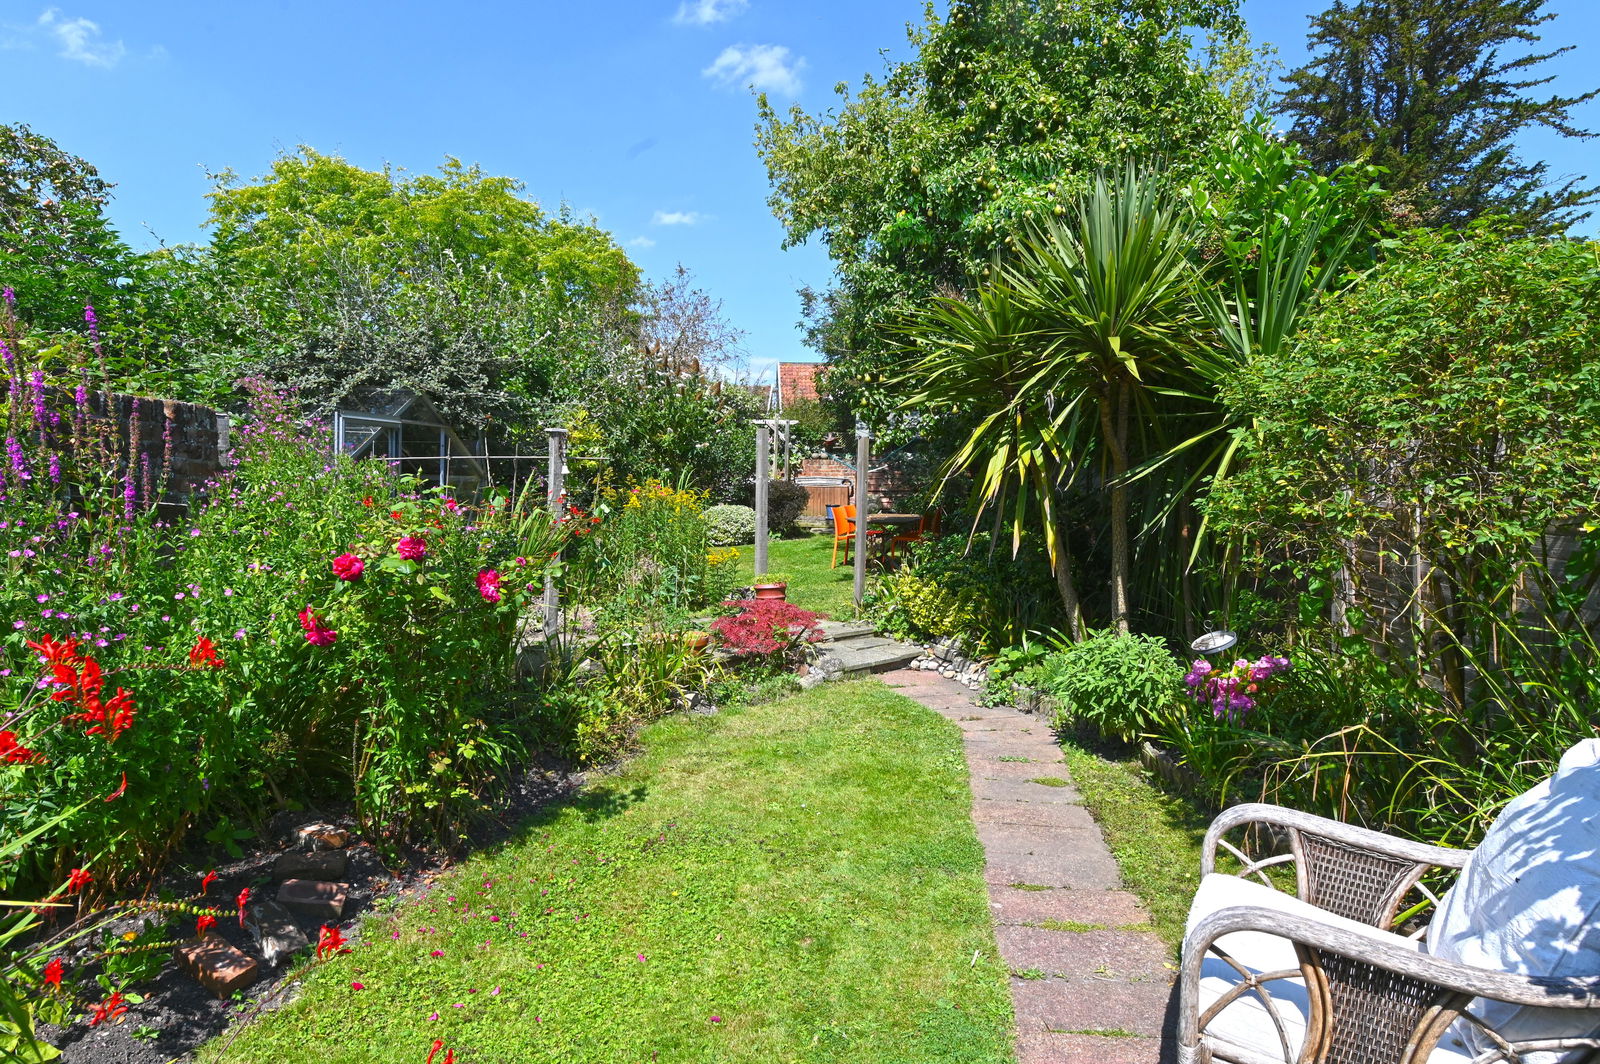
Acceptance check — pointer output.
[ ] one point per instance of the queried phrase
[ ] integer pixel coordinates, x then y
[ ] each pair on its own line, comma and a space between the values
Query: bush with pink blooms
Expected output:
309, 627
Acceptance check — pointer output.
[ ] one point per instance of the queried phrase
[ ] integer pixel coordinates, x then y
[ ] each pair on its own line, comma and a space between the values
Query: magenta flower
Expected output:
412, 548
489, 585
348, 567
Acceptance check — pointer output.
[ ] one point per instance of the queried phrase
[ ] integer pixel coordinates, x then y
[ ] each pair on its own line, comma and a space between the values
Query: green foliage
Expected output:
691, 430
916, 181
786, 501
1420, 89
645, 557
391, 701
57, 250
1450, 403
325, 277
1120, 685
729, 525
949, 589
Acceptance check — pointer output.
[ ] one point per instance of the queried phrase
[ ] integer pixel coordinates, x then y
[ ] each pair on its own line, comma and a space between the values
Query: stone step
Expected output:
882, 658
839, 631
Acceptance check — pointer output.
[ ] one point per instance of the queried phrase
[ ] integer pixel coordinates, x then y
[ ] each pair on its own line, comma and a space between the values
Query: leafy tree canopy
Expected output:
1008, 107
327, 277
1421, 88
57, 250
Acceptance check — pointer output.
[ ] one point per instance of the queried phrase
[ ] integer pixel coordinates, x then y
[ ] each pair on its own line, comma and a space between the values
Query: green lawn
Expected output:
812, 584
793, 881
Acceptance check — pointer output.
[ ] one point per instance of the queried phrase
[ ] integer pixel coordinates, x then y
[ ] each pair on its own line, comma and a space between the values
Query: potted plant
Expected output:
696, 641
772, 586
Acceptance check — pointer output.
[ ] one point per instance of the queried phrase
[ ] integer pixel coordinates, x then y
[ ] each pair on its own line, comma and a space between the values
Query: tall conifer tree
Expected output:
1422, 87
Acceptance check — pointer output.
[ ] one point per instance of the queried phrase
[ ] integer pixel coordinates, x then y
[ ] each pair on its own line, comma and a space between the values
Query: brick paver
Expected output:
1090, 982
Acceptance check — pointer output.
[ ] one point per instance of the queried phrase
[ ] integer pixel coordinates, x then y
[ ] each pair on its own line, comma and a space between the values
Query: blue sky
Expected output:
635, 110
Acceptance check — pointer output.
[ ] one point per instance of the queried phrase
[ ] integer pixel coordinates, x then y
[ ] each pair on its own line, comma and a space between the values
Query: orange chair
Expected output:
927, 526
844, 531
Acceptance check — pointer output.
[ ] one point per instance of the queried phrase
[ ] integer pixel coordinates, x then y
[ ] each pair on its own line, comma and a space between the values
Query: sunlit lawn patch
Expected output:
812, 585
797, 881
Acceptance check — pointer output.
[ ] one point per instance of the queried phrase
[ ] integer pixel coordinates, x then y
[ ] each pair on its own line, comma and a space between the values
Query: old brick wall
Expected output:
175, 444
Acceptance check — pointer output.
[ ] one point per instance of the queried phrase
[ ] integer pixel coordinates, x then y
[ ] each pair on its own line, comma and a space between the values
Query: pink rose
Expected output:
412, 548
489, 585
348, 566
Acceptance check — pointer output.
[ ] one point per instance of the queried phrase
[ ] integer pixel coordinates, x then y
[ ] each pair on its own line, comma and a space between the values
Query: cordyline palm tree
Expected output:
1082, 330
980, 357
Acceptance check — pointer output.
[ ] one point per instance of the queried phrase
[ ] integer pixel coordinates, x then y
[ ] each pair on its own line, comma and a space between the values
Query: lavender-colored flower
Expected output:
10, 357
55, 472
19, 461
40, 414
10, 298
130, 493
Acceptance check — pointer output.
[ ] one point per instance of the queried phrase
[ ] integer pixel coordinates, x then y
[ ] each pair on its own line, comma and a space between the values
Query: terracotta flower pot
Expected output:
697, 641
772, 591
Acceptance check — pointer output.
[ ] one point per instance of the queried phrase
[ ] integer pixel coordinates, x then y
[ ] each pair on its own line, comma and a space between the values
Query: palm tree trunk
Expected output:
1115, 429
1061, 564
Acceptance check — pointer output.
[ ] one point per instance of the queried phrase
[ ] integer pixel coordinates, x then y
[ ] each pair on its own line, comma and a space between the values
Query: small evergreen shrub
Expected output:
730, 525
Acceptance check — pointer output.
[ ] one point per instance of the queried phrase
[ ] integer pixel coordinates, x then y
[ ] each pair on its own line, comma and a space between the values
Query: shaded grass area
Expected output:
1154, 835
793, 881
812, 585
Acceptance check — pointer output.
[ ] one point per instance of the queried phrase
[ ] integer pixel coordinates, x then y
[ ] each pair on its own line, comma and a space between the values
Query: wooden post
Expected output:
763, 443
863, 506
556, 483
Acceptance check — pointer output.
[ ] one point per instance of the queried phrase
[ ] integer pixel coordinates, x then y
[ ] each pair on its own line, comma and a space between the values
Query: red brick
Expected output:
219, 967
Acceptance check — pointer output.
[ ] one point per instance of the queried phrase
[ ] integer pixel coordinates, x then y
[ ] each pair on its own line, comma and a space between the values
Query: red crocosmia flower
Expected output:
53, 972
243, 900
438, 1044
348, 566
57, 651
109, 1009
122, 789
329, 942
204, 924
204, 655
412, 548
13, 751
206, 881
77, 879
368, 501
449, 1056
489, 585
396, 515
113, 718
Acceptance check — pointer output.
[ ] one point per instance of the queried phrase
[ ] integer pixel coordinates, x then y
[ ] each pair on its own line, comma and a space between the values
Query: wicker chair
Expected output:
1324, 975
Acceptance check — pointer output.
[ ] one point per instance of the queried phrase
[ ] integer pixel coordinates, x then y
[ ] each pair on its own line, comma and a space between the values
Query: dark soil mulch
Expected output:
178, 1015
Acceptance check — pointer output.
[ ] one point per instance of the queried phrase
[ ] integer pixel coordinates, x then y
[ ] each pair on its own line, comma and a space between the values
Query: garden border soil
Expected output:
187, 1016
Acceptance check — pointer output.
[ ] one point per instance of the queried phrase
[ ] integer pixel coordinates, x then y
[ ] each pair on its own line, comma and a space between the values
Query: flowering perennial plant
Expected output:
1234, 691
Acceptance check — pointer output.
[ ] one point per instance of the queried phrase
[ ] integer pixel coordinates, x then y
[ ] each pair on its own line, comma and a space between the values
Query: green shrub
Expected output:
729, 525
1123, 685
786, 501
991, 600
644, 556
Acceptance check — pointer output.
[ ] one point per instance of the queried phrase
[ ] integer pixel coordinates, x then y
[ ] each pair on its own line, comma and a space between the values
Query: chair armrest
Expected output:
1382, 949
1338, 830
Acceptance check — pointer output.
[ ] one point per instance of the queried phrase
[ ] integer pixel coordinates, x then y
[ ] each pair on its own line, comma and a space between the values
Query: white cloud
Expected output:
706, 12
641, 242
80, 40
765, 67
677, 218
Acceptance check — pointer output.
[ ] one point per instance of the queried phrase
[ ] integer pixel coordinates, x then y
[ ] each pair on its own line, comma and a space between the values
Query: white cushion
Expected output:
1528, 902
1244, 1030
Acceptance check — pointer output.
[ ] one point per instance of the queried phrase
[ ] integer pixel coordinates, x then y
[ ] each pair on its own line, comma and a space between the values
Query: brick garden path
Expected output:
1057, 899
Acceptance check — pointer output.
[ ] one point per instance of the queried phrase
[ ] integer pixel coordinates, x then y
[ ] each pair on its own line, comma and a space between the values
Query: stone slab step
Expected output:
874, 659
842, 630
